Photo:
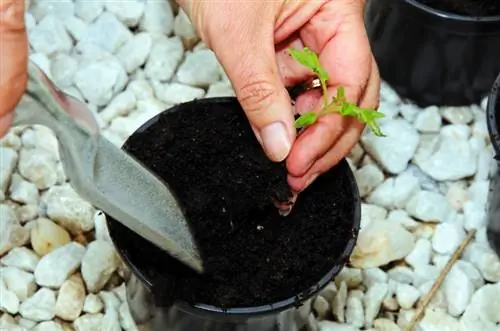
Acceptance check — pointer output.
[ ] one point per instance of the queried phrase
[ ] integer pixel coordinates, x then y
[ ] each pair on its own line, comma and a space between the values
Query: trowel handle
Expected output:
72, 122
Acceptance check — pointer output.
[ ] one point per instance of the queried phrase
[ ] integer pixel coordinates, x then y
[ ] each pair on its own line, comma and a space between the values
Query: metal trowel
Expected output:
104, 174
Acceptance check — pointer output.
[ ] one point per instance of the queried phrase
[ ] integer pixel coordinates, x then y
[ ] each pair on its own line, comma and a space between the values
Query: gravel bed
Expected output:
424, 187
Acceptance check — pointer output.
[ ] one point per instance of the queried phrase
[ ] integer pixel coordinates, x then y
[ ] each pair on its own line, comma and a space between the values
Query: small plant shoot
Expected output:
339, 103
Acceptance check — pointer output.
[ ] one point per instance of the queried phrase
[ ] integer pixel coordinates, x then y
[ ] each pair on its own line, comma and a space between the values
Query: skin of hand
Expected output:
251, 40
13, 59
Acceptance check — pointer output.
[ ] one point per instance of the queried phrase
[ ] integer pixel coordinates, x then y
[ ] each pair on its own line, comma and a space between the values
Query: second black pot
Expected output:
433, 57
493, 208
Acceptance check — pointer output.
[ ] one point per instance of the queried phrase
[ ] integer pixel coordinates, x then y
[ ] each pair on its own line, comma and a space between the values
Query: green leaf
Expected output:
306, 119
340, 94
309, 59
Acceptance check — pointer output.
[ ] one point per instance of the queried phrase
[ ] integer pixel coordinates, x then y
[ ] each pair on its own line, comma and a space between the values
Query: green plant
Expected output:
339, 103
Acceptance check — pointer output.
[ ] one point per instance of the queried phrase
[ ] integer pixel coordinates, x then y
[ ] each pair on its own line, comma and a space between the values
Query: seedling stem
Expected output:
339, 103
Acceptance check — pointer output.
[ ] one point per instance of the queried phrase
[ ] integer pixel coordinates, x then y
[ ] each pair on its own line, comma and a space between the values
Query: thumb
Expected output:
13, 59
249, 60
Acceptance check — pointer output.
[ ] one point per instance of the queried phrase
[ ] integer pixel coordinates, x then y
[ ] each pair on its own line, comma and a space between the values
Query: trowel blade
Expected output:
105, 175
135, 197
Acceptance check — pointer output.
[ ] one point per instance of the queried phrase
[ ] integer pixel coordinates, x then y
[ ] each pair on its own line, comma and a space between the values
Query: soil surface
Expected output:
466, 7
225, 182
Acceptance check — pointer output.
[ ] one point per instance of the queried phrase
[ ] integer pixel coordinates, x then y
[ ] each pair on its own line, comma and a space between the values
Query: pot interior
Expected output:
493, 116
256, 260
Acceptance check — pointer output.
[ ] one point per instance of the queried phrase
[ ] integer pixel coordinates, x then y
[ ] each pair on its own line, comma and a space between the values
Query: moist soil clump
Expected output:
207, 153
475, 8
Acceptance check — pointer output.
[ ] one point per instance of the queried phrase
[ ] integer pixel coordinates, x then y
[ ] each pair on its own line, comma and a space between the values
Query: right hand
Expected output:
13, 59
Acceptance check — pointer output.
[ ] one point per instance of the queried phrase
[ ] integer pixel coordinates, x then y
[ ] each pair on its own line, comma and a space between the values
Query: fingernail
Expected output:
276, 141
311, 180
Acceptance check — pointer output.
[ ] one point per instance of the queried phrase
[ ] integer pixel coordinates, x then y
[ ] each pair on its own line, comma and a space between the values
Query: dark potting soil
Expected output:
211, 159
476, 8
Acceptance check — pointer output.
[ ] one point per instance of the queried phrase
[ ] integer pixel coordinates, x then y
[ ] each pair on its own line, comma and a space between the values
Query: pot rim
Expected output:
268, 308
491, 115
450, 16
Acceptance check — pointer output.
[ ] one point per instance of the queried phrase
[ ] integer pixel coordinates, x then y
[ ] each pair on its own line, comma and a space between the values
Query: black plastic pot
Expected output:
493, 208
152, 308
432, 57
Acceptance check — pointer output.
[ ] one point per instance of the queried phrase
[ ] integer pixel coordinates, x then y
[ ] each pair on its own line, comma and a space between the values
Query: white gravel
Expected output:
424, 186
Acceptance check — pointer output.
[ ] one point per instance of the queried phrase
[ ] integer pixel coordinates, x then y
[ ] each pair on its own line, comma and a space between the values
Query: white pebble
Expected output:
55, 267
485, 260
482, 311
20, 282
373, 301
458, 290
457, 115
93, 304
8, 160
47, 236
351, 276
68, 209
380, 243
50, 36
99, 81
23, 191
134, 52
121, 105
354, 311
129, 12
8, 300
184, 29
175, 93
428, 120
158, 18
88, 10
98, 264
88, 322
38, 166
429, 207
62, 69
166, 55
76, 27
200, 69
407, 295
339, 302
446, 158
447, 237
22, 258
39, 307
48, 326
368, 178
70, 299
421, 253
395, 150
107, 32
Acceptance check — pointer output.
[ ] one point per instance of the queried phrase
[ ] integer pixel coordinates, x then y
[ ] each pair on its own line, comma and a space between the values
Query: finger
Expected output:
339, 34
13, 59
317, 139
371, 96
291, 71
341, 148
245, 48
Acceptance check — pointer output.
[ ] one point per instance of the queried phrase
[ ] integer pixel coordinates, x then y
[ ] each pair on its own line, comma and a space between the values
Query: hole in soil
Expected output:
477, 8
208, 154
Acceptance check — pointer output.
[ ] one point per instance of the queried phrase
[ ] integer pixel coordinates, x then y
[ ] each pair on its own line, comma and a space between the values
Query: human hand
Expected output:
251, 40
13, 59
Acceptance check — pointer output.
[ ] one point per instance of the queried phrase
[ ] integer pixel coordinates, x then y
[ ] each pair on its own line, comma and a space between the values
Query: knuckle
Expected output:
256, 95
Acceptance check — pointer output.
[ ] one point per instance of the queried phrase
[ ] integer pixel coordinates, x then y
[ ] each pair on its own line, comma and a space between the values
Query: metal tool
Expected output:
105, 175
